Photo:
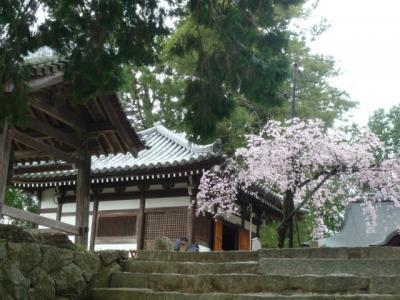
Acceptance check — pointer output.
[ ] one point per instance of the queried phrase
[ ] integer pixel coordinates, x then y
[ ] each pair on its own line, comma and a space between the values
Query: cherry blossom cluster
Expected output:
305, 159
217, 194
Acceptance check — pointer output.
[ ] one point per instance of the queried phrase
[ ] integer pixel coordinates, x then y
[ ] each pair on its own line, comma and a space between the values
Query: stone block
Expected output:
102, 279
109, 256
13, 233
42, 285
26, 256
14, 281
88, 262
69, 281
54, 259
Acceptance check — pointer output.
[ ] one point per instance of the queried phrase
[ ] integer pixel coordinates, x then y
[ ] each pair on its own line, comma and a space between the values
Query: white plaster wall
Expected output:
68, 219
116, 246
48, 197
167, 202
48, 202
119, 204
71, 207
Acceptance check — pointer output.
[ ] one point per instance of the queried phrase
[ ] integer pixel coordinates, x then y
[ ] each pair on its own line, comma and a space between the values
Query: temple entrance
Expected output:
229, 238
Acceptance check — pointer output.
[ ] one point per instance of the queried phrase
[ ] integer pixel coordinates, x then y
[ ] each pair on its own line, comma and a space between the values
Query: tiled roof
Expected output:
44, 62
164, 149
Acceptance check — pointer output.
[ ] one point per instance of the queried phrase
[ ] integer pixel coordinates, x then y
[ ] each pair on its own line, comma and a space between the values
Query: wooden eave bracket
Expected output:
27, 140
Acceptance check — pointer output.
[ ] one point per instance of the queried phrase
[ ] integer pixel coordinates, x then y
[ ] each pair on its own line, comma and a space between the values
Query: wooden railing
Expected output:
20, 214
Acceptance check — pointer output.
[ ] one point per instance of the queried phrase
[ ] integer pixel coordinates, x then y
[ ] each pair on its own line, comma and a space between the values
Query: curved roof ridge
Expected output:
215, 148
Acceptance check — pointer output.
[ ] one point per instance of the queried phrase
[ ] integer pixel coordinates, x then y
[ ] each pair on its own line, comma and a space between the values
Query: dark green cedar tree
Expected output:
95, 37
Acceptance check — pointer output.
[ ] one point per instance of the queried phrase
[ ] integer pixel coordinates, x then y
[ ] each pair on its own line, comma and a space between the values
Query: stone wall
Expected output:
35, 271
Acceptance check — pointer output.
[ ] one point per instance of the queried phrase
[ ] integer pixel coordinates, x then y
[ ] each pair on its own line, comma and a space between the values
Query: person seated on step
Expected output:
181, 244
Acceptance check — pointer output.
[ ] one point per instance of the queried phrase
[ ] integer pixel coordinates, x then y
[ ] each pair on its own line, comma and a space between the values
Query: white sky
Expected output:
364, 38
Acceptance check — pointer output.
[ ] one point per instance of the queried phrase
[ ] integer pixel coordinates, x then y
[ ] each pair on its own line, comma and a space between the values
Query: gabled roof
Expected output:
163, 149
56, 127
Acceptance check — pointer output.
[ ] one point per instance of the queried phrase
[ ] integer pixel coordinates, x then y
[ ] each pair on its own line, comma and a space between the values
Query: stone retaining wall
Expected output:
38, 272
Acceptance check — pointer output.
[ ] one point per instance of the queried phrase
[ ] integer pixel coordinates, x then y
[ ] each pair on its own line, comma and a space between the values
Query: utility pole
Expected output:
294, 76
291, 204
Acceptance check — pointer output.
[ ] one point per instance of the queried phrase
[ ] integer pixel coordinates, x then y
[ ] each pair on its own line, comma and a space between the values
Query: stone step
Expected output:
148, 294
138, 266
364, 267
249, 283
310, 253
333, 253
227, 256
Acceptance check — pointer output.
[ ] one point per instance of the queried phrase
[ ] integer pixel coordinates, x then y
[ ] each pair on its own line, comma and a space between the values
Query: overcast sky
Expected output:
364, 38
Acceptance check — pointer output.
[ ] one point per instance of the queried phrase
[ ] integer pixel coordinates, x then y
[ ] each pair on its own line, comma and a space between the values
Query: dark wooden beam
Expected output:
27, 140
46, 168
48, 130
60, 112
118, 212
59, 211
37, 219
5, 149
191, 213
83, 196
94, 223
134, 195
140, 221
129, 138
101, 127
28, 154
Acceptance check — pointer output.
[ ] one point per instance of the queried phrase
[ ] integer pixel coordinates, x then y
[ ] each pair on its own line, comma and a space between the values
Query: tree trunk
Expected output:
288, 207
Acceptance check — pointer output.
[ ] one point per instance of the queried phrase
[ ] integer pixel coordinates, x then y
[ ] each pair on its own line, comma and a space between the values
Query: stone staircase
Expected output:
324, 273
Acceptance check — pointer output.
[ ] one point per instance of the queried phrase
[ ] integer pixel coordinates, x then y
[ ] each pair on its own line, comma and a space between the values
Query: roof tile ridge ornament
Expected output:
213, 148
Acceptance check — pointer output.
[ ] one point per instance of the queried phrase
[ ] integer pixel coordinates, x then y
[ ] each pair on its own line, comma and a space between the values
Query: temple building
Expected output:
106, 185
135, 200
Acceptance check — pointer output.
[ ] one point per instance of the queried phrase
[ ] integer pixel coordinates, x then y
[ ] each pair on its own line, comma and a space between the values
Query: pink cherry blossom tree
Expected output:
308, 165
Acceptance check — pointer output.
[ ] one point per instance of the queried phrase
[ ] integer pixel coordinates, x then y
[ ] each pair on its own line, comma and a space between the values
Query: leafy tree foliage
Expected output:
316, 97
17, 38
152, 96
386, 125
222, 49
18, 199
94, 36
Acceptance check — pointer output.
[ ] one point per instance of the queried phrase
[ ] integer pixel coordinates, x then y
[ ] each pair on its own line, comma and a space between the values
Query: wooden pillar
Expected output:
94, 219
191, 214
61, 199
83, 196
5, 149
140, 221
59, 211
218, 234
39, 197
